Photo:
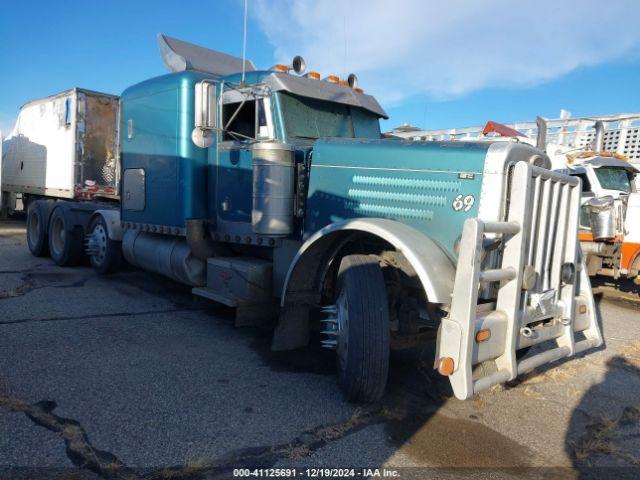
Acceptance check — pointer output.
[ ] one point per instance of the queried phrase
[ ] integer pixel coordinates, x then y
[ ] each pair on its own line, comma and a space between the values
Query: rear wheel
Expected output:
5, 207
359, 329
65, 241
37, 231
105, 254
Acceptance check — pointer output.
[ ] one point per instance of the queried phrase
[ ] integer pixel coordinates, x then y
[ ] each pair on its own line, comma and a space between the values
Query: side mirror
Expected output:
206, 114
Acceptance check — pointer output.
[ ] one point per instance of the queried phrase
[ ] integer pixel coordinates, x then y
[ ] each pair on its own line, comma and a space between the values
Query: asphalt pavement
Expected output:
130, 376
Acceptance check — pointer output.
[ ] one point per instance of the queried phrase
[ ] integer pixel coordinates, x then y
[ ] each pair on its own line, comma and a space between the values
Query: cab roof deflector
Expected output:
179, 56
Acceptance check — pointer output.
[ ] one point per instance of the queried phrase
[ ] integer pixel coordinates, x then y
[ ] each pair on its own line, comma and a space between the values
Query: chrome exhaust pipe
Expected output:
598, 141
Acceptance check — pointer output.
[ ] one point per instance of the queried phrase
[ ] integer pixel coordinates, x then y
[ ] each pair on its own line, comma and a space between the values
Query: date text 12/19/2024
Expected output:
315, 473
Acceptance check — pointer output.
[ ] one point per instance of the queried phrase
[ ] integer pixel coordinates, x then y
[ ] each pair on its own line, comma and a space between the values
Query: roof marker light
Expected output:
332, 79
313, 75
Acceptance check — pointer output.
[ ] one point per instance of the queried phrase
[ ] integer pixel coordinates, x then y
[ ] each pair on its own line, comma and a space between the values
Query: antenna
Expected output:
344, 38
244, 42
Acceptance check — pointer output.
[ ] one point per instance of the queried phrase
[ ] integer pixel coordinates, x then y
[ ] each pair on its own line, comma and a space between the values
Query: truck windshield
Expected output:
310, 118
612, 178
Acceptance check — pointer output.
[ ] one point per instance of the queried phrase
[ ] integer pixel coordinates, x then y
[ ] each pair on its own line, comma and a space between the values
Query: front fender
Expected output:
112, 220
435, 270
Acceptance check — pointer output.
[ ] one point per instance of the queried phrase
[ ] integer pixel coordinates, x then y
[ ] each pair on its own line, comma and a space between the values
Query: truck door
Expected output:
243, 123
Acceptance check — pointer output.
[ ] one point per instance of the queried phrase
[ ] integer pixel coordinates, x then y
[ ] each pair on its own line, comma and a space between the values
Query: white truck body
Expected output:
62, 146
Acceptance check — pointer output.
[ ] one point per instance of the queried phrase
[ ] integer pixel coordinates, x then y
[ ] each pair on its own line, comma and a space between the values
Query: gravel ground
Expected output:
131, 376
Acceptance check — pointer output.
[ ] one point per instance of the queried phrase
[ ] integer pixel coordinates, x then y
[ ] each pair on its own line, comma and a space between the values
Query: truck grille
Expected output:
543, 293
551, 230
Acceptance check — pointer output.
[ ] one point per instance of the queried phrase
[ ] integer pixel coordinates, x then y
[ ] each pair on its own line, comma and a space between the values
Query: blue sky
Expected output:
428, 65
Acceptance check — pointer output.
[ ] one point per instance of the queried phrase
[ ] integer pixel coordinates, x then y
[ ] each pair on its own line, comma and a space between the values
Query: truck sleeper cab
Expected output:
273, 193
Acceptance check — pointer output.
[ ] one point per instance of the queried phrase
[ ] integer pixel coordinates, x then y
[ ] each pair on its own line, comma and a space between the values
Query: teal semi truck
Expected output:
273, 192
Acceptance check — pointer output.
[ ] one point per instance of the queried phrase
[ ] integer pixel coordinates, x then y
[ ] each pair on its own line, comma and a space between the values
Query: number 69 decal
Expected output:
463, 202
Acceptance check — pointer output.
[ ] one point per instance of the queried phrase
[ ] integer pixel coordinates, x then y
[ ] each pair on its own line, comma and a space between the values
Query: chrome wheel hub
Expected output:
336, 325
96, 243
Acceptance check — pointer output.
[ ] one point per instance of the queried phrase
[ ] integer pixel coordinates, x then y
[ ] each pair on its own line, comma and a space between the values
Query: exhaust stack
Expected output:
598, 141
541, 139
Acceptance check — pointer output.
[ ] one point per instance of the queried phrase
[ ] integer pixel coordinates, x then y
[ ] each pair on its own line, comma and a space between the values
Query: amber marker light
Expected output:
332, 79
314, 75
359, 90
445, 366
280, 68
483, 335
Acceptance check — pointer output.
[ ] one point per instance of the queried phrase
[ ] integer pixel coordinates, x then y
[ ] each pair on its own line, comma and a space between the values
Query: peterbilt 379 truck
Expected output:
274, 193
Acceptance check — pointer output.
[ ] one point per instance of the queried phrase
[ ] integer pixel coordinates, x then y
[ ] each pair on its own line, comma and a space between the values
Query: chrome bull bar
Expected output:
543, 290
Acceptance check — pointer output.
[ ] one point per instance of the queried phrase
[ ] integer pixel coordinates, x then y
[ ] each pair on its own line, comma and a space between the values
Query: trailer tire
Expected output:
37, 234
65, 241
105, 255
5, 200
363, 342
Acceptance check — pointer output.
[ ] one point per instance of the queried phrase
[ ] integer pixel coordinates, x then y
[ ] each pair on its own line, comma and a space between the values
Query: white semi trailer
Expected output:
62, 147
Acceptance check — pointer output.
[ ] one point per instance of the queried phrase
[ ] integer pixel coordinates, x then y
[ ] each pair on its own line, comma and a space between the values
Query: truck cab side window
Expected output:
262, 128
243, 123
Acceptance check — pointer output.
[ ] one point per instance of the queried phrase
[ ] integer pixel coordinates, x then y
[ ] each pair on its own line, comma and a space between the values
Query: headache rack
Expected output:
543, 292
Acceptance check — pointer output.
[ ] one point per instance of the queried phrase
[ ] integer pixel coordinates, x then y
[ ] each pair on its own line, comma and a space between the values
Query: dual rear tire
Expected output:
37, 231
65, 240
56, 236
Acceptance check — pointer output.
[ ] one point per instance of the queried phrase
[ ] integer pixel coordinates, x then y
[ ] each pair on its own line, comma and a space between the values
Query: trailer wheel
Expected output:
37, 231
105, 254
359, 329
65, 241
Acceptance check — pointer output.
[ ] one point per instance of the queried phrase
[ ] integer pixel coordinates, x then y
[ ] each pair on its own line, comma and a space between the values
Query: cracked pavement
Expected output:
130, 376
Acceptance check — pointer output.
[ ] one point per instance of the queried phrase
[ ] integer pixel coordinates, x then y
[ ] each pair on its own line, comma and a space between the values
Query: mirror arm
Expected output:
235, 114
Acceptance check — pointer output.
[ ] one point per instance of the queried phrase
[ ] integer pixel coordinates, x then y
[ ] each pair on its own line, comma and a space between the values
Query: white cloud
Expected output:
446, 48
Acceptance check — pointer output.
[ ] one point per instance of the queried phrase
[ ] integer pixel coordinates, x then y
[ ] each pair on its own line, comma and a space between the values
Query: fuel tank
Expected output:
167, 255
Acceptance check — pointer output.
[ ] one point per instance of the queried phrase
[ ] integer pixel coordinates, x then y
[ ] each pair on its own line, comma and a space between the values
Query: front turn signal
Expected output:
445, 366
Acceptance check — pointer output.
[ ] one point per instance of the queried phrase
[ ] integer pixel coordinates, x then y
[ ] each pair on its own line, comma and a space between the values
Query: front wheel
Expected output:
359, 329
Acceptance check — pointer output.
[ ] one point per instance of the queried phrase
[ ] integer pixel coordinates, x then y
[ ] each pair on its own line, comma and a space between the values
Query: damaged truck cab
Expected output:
274, 193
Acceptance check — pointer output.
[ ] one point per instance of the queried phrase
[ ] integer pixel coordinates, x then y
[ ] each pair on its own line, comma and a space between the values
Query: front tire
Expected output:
363, 324
65, 241
37, 238
105, 254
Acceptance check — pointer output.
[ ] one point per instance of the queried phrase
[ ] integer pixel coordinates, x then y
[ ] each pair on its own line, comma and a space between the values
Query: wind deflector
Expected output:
179, 56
